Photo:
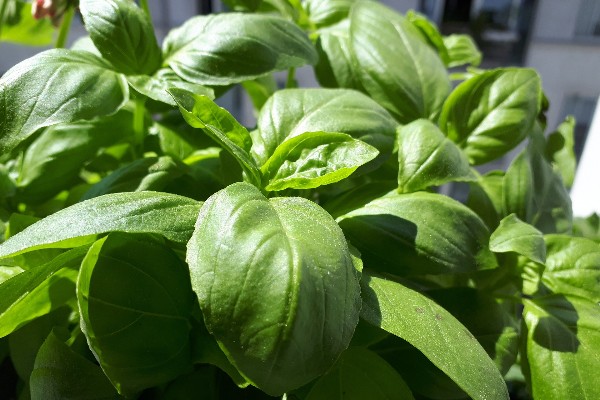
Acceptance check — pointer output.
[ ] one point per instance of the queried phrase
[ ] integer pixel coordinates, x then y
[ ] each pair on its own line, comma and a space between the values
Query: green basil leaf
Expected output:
518, 189
559, 149
155, 86
336, 64
292, 112
60, 373
230, 48
153, 173
492, 112
587, 227
164, 214
264, 271
327, 12
74, 85
135, 301
395, 67
360, 374
123, 33
461, 50
435, 332
564, 333
514, 235
418, 233
259, 90
573, 267
20, 26
38, 291
313, 159
53, 162
201, 112
486, 198
427, 158
430, 34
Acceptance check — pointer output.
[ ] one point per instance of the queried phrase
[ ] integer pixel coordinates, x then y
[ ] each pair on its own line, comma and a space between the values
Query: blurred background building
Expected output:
559, 38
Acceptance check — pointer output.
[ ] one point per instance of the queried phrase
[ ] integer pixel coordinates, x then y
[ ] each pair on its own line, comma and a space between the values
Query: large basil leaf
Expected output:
38, 291
573, 267
435, 332
292, 112
276, 284
563, 337
514, 235
53, 162
164, 214
418, 233
229, 48
560, 150
314, 159
201, 112
59, 373
152, 173
492, 112
360, 374
395, 67
123, 33
427, 158
135, 301
53, 87
155, 86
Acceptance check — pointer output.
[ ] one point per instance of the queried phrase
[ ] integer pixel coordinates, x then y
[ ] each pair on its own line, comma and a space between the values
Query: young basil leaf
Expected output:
313, 159
360, 374
492, 112
164, 214
123, 33
559, 149
292, 112
418, 233
264, 272
201, 112
461, 50
38, 291
427, 158
145, 174
135, 301
230, 48
518, 188
336, 65
74, 85
53, 162
327, 12
514, 235
573, 267
563, 332
60, 373
435, 332
155, 86
430, 34
395, 67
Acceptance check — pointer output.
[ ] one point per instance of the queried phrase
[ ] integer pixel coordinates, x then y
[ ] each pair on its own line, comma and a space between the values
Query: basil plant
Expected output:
154, 247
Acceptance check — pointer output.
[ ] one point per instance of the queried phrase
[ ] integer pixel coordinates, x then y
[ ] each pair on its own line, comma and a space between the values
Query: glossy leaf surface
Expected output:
230, 48
53, 87
276, 284
135, 302
418, 233
123, 34
427, 158
165, 214
435, 332
514, 235
314, 159
492, 112
155, 86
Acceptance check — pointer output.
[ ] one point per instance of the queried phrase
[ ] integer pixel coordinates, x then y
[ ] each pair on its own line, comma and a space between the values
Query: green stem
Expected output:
138, 124
65, 26
146, 8
291, 79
